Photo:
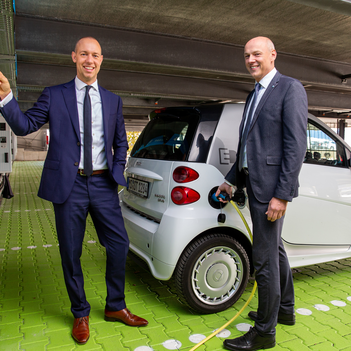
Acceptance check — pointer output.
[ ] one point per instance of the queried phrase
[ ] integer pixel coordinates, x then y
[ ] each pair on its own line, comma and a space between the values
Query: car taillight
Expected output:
160, 110
182, 196
184, 174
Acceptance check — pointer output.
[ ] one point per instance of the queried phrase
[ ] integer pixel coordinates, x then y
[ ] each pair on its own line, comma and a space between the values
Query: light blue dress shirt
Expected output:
98, 144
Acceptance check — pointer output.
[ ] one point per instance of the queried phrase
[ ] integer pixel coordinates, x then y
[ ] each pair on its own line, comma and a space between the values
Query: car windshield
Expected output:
168, 136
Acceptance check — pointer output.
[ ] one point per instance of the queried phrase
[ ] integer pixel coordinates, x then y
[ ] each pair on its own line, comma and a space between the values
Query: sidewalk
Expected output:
35, 310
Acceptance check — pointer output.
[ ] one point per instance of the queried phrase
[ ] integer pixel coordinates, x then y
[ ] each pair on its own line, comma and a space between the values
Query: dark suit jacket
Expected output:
276, 142
58, 106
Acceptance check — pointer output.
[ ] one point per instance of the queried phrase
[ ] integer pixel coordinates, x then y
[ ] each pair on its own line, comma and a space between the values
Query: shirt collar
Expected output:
268, 78
81, 85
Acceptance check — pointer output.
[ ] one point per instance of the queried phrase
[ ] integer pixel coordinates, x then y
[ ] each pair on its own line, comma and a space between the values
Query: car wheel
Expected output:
212, 273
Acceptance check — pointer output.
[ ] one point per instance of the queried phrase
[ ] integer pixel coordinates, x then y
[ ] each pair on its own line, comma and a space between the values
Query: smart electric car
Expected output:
178, 230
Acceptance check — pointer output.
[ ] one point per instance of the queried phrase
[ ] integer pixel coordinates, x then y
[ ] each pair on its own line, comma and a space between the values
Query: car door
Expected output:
321, 215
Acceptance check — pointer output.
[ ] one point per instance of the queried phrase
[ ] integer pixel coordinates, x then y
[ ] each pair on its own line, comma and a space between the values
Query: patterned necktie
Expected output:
88, 164
247, 126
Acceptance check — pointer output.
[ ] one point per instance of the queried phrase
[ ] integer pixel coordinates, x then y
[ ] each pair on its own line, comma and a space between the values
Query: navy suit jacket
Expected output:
58, 106
277, 141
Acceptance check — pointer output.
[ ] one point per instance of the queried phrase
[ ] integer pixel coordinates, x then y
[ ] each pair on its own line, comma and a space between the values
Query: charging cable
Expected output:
252, 292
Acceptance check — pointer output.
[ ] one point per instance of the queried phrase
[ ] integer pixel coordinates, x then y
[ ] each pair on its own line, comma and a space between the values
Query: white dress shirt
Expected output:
98, 145
6, 99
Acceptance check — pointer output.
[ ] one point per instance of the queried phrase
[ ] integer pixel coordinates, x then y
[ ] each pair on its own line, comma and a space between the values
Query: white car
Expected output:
176, 228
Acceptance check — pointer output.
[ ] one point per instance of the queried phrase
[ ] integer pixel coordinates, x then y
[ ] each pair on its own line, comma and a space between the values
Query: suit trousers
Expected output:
97, 195
273, 273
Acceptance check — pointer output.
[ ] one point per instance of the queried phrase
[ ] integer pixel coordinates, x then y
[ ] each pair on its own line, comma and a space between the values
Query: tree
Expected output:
132, 138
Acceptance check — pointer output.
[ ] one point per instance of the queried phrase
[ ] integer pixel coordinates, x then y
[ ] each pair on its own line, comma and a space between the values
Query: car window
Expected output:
204, 134
179, 134
167, 136
322, 149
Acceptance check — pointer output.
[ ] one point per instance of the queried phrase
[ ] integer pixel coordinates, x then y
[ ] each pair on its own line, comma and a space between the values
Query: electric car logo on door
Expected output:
226, 156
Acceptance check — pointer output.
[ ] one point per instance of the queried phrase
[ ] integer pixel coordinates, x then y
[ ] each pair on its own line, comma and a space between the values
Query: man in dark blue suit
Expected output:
271, 149
81, 175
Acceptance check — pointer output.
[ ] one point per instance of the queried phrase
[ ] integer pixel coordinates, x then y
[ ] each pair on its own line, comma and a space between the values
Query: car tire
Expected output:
212, 273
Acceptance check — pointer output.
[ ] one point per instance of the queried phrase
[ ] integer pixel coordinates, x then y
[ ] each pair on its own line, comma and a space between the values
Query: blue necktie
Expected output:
247, 126
88, 164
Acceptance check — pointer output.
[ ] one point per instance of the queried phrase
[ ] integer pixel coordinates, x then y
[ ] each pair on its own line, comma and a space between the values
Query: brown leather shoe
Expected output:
80, 331
126, 317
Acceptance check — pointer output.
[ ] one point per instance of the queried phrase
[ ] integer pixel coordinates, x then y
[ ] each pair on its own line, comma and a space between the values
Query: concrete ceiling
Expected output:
163, 52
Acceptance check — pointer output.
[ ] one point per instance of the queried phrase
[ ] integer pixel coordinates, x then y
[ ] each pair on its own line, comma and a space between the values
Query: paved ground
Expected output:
34, 307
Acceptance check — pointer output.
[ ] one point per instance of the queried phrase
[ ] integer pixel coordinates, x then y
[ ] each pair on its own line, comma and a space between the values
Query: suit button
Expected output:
76, 163
78, 143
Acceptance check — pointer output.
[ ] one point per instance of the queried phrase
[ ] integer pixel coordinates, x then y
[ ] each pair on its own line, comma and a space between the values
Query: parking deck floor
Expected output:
35, 310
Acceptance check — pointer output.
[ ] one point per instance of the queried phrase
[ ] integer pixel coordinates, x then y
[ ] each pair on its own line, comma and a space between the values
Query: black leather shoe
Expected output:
283, 318
250, 341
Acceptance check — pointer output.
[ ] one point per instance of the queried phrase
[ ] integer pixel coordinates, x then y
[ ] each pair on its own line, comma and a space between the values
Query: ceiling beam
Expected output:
157, 53
129, 83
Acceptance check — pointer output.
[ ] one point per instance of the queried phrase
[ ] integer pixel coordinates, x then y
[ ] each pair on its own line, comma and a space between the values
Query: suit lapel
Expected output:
265, 96
105, 111
248, 99
70, 97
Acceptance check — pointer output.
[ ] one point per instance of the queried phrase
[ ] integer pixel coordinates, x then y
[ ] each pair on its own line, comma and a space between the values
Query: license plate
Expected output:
138, 187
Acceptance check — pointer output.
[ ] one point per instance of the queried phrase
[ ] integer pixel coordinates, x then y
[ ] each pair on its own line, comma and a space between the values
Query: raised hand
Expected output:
5, 88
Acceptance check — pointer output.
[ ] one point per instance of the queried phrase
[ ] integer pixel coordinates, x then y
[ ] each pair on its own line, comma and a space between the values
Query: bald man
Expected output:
81, 175
270, 153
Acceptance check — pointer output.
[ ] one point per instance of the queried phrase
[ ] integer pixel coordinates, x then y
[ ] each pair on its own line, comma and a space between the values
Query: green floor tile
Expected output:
11, 344
61, 338
34, 334
10, 305
35, 309
323, 346
283, 336
157, 335
30, 286
8, 318
307, 336
104, 329
35, 346
11, 330
112, 343
32, 319
133, 344
10, 293
130, 333
55, 323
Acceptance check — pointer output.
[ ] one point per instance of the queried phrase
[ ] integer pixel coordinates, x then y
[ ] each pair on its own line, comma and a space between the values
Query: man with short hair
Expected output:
271, 149
81, 175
